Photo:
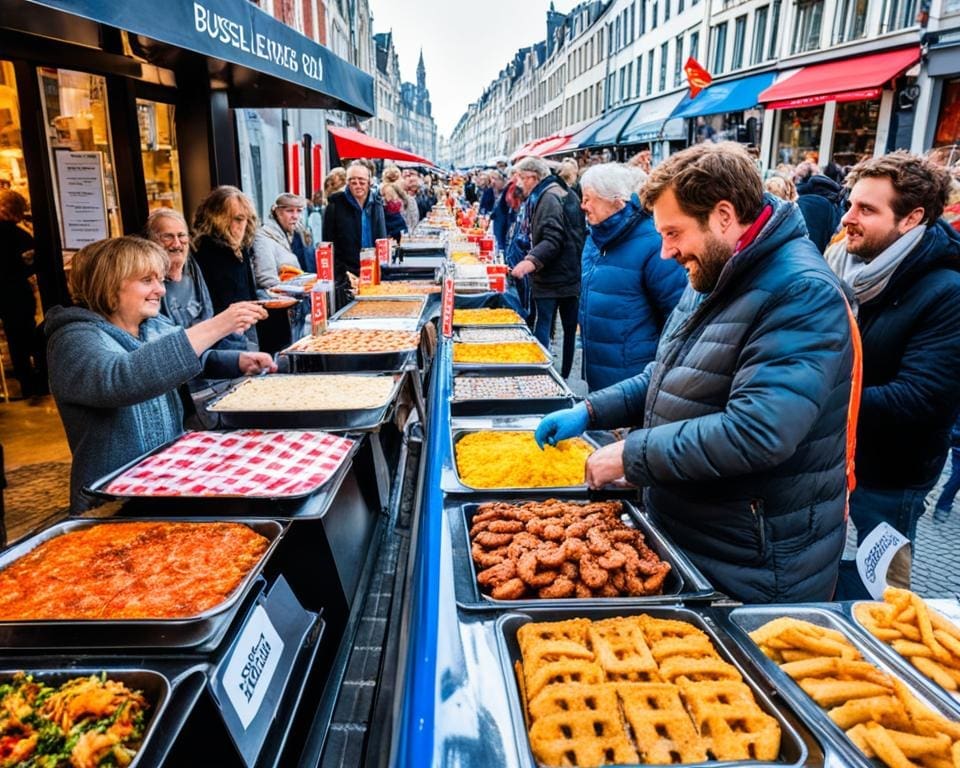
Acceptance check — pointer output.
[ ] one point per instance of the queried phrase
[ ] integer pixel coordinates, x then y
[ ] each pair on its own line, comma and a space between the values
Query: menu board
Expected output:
83, 212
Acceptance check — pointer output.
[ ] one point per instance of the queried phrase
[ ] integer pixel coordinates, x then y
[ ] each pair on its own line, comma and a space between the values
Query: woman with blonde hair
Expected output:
116, 362
335, 182
224, 227
782, 187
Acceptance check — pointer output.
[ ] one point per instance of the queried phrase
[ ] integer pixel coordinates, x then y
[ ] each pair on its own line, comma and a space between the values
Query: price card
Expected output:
447, 313
250, 679
325, 262
318, 310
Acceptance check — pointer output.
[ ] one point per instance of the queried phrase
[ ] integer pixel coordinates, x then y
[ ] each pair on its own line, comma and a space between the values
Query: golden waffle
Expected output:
622, 651
695, 646
585, 735
563, 671
661, 727
657, 630
574, 630
709, 668
729, 720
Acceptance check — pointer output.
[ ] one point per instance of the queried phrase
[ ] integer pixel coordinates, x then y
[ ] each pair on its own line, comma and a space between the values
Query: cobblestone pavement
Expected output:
936, 560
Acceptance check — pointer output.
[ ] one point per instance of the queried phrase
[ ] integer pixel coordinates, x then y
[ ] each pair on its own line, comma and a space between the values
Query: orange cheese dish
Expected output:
135, 570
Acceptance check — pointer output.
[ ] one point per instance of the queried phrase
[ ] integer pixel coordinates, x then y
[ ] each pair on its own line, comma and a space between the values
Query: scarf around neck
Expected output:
868, 279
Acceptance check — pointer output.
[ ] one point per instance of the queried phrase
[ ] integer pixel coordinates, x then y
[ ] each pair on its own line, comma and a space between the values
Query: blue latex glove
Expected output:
561, 425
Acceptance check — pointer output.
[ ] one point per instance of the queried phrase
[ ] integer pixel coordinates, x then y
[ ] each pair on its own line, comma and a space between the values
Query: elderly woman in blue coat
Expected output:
627, 291
116, 363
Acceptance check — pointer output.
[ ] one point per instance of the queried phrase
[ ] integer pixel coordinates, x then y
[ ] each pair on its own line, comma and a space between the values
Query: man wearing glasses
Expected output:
353, 220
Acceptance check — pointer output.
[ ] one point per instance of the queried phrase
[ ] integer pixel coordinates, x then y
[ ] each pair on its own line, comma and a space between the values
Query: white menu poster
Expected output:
82, 207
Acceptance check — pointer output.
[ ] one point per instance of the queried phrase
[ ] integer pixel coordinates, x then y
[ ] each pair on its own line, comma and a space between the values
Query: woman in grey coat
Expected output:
115, 362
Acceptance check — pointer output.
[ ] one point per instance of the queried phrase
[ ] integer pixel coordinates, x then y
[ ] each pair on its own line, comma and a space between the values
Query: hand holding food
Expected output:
240, 315
253, 363
605, 465
561, 425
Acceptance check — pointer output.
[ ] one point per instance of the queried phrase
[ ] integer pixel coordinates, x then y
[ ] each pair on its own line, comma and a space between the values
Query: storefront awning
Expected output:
729, 96
526, 150
848, 80
550, 145
269, 64
606, 131
647, 122
351, 144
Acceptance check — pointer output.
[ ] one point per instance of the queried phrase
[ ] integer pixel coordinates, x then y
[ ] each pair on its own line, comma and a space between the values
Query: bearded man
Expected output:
742, 416
902, 262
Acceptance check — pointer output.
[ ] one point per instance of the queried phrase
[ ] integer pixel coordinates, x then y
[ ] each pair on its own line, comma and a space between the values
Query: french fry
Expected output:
907, 648
935, 761
948, 641
915, 746
909, 631
934, 671
884, 746
794, 655
866, 710
845, 669
939, 622
825, 646
858, 735
926, 629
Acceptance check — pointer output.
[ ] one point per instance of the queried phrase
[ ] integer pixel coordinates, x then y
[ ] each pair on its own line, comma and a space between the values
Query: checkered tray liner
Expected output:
250, 462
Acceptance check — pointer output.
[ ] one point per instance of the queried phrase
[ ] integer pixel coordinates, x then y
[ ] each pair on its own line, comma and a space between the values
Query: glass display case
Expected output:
799, 135
161, 161
855, 131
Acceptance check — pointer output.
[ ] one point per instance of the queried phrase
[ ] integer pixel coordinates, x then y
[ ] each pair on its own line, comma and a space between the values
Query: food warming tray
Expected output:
903, 667
684, 582
339, 420
744, 620
409, 324
450, 480
335, 450
362, 299
205, 628
155, 686
512, 406
797, 747
502, 367
349, 362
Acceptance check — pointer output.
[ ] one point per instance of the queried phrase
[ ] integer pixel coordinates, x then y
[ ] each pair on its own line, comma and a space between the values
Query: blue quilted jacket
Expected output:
626, 294
743, 413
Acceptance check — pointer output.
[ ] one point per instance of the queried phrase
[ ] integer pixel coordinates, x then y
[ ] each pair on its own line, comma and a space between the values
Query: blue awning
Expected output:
300, 72
647, 121
728, 96
606, 131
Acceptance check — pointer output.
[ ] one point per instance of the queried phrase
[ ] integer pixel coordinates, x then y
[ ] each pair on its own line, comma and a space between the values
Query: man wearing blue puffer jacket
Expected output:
742, 416
626, 291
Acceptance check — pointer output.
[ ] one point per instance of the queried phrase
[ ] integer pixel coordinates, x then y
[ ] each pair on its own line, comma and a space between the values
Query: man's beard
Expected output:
868, 247
708, 265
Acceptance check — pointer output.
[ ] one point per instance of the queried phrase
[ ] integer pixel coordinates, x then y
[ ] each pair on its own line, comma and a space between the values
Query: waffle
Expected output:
638, 688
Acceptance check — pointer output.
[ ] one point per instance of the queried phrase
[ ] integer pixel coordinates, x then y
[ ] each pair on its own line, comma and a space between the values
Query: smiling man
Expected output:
903, 265
742, 416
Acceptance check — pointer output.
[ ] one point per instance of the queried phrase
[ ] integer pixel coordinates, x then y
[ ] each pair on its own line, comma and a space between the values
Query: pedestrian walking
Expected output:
945, 503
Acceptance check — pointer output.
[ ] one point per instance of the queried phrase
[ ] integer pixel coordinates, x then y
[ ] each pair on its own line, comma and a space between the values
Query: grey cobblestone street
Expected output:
936, 559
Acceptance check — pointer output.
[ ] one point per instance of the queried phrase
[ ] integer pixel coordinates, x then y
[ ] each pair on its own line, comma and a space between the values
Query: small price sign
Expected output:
447, 312
318, 310
325, 262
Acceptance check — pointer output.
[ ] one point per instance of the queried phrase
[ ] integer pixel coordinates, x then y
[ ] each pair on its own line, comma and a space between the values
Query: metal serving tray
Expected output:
684, 582
796, 745
742, 621
501, 367
331, 420
181, 633
351, 362
512, 406
904, 668
450, 480
411, 324
340, 316
155, 686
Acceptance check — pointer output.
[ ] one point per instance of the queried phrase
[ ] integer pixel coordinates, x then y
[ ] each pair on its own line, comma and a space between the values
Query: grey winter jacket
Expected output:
271, 250
744, 412
117, 395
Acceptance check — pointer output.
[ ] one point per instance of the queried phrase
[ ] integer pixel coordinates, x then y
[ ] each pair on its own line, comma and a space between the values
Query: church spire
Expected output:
421, 72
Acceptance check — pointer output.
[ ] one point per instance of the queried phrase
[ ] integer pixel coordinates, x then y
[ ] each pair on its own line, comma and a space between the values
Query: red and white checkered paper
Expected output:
249, 462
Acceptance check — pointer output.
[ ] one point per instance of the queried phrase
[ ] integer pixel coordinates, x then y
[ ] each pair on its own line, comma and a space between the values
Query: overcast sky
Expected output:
465, 45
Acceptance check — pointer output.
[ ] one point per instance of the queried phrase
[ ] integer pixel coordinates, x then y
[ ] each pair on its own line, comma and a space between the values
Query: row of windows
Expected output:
586, 56
586, 104
636, 79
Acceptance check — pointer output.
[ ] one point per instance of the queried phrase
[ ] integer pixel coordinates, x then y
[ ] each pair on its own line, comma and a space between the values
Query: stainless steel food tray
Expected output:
797, 747
340, 316
155, 686
450, 479
904, 668
684, 582
500, 367
98, 487
409, 324
181, 633
348, 362
331, 420
742, 621
512, 406
522, 330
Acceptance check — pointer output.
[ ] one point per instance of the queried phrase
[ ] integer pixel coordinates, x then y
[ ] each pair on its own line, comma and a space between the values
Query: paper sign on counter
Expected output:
252, 665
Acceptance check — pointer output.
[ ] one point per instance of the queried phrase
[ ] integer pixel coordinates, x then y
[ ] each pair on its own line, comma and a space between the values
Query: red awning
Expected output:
550, 145
526, 150
351, 144
847, 80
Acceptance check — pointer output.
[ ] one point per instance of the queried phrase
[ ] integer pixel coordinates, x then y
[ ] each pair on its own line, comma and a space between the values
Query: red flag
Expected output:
697, 77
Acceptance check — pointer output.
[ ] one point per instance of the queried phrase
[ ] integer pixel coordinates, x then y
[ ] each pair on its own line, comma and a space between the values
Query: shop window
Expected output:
719, 47
948, 122
806, 29
851, 20
800, 131
13, 172
81, 155
898, 14
161, 161
855, 131
774, 29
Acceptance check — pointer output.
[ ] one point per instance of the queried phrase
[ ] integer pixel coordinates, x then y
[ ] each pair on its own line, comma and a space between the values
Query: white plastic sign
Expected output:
875, 554
252, 664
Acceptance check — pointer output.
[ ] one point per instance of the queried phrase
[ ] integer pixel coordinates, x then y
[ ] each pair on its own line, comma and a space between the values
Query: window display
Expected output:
81, 155
800, 131
161, 160
855, 131
948, 123
13, 172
